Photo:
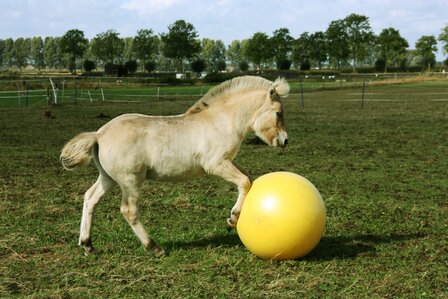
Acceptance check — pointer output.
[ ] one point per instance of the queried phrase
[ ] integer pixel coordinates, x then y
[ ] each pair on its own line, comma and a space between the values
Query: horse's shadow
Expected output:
329, 247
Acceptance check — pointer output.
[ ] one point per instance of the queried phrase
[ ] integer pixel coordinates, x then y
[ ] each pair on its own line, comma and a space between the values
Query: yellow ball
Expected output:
283, 217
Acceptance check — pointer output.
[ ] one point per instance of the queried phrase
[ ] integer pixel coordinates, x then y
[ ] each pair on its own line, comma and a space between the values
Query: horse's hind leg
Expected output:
129, 210
98, 190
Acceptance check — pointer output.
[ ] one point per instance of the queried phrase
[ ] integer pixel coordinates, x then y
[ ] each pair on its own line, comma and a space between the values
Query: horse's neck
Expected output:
238, 112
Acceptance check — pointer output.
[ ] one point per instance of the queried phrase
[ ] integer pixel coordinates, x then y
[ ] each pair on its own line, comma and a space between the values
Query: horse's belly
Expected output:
172, 171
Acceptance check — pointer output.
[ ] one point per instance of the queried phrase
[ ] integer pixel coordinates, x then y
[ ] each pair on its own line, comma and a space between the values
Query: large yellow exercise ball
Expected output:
283, 217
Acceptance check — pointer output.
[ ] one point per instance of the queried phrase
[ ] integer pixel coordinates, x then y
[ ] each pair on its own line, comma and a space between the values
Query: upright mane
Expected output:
236, 84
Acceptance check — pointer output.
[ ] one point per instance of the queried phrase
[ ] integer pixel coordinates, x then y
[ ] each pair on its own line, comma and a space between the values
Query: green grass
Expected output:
382, 172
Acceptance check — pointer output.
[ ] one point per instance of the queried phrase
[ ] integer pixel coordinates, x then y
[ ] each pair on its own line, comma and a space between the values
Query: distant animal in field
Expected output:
205, 140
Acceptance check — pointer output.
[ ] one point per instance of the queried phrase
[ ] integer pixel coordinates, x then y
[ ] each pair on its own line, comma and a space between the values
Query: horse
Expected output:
204, 140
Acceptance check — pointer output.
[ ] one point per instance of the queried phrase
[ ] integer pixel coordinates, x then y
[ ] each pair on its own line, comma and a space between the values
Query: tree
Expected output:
131, 66
88, 65
301, 51
74, 44
145, 45
107, 46
359, 35
259, 49
53, 56
219, 55
214, 53
318, 48
128, 51
149, 66
337, 43
8, 52
413, 58
22, 52
110, 69
2, 52
392, 46
164, 63
425, 47
243, 65
198, 66
282, 45
207, 49
234, 53
37, 52
443, 37
221, 65
180, 42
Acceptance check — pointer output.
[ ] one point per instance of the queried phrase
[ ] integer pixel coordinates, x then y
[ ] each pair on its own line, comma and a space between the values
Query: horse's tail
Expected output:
78, 151
280, 88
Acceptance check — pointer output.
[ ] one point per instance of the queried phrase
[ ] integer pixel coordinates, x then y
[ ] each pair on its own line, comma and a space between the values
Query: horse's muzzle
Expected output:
282, 139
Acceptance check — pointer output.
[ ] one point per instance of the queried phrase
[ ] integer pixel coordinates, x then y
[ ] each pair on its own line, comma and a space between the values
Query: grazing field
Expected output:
382, 171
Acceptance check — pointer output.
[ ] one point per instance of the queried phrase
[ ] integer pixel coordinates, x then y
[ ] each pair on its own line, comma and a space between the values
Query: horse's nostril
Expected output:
286, 142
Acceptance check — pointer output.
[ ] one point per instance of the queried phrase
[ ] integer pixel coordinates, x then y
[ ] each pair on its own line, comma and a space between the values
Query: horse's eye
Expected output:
279, 114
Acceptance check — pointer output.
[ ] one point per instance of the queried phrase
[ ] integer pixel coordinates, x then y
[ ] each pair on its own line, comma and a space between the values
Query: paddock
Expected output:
381, 170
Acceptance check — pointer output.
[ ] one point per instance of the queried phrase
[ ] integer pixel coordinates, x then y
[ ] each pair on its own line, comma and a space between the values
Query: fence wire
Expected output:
26, 93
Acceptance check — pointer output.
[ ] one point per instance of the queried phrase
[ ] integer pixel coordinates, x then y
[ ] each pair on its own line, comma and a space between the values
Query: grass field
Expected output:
381, 170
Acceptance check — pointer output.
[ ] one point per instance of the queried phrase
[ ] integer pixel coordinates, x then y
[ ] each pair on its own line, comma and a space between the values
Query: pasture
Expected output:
381, 170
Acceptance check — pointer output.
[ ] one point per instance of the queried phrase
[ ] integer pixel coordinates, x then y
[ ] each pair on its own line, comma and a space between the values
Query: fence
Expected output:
26, 93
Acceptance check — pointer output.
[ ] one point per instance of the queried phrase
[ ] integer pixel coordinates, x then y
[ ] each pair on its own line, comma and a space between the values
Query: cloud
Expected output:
145, 7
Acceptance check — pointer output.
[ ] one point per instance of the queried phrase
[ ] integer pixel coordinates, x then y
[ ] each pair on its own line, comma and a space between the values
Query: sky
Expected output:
226, 20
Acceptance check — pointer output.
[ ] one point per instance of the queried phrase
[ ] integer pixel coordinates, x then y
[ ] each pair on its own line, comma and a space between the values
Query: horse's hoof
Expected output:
230, 224
88, 250
88, 246
158, 252
156, 249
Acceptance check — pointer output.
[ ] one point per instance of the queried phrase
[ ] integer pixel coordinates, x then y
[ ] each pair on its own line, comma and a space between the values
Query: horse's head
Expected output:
269, 123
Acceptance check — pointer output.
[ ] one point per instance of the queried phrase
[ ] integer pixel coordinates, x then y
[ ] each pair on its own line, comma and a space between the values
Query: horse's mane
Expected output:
236, 84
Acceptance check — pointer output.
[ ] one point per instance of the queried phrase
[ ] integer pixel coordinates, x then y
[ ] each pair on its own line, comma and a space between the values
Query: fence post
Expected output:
54, 92
63, 90
363, 92
158, 91
301, 93
102, 92
18, 94
27, 94
76, 92
48, 95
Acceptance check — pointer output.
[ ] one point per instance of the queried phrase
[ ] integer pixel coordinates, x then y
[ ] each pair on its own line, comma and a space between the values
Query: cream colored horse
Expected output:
134, 147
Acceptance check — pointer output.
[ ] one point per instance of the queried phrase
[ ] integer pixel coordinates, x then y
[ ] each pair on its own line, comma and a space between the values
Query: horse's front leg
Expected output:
235, 174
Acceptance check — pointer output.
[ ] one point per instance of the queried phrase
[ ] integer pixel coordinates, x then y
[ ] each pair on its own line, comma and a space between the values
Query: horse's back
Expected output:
158, 146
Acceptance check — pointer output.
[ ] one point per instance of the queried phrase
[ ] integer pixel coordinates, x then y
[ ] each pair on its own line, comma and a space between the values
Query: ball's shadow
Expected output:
347, 247
329, 247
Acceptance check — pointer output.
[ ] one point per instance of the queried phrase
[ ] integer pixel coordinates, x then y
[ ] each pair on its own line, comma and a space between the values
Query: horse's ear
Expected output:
273, 94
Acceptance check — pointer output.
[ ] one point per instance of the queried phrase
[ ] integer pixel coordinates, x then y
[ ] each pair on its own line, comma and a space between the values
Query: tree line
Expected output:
347, 43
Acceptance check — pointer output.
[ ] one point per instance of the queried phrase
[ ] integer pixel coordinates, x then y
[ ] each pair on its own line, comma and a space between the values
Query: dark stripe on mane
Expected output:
243, 83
